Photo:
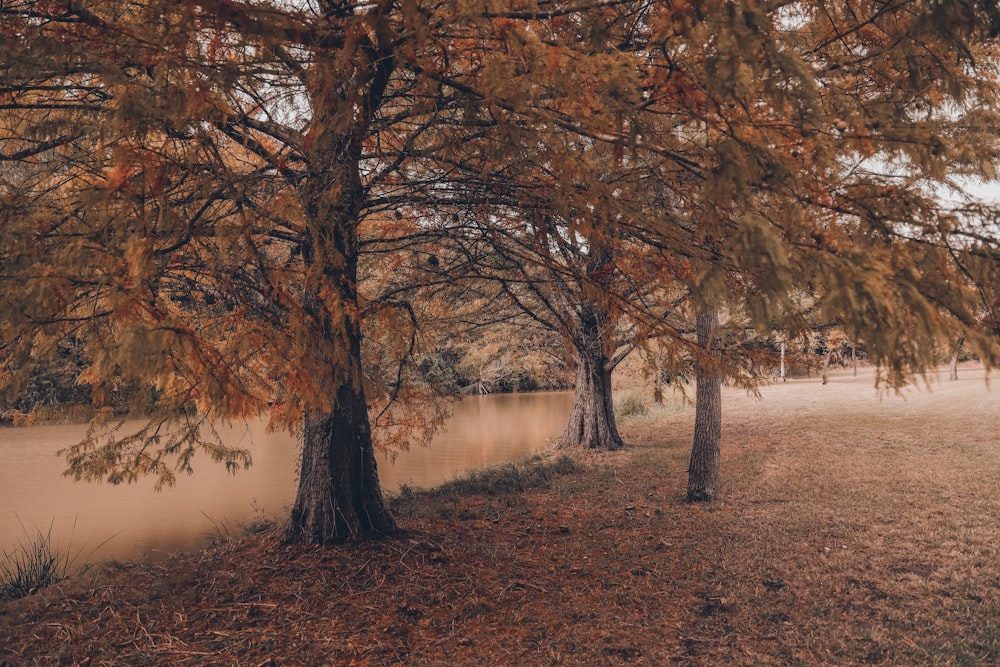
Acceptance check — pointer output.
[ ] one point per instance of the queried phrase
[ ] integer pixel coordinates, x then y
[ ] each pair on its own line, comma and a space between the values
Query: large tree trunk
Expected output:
592, 418
339, 496
703, 471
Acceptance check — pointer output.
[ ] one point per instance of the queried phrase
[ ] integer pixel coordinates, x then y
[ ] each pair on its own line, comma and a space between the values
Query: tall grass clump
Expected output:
226, 532
32, 565
630, 406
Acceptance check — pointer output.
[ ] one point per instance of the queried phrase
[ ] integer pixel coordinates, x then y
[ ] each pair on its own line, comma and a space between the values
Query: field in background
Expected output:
853, 530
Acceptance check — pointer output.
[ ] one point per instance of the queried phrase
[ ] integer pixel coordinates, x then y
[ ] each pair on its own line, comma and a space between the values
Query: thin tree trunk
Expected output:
783, 378
953, 368
592, 423
703, 471
826, 364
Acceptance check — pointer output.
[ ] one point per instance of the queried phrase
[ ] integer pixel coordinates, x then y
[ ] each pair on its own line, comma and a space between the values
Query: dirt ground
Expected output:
852, 530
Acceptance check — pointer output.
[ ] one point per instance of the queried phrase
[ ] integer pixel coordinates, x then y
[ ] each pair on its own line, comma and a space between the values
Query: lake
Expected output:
131, 522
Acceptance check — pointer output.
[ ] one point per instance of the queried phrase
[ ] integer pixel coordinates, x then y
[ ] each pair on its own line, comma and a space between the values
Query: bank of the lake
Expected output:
852, 530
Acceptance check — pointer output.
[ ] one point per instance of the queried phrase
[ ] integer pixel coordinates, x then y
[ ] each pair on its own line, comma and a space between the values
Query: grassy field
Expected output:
853, 530
856, 530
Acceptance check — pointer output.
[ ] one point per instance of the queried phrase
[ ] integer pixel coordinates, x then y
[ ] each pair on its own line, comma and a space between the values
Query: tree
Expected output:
192, 184
703, 470
195, 221
541, 206
578, 281
818, 136
953, 364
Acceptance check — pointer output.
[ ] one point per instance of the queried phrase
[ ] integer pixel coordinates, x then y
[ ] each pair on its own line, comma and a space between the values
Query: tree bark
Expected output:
953, 367
592, 423
703, 471
826, 365
339, 496
783, 378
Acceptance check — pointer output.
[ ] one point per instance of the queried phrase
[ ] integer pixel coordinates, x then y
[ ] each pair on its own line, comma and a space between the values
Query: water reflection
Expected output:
128, 522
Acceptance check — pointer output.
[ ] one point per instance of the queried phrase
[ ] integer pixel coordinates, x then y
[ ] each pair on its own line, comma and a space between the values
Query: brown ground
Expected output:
852, 531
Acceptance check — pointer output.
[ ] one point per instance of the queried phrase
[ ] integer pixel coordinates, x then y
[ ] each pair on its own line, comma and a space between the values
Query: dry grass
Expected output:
32, 565
852, 531
859, 531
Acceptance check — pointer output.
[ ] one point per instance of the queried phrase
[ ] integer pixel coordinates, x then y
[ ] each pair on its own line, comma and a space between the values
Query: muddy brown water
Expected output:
130, 522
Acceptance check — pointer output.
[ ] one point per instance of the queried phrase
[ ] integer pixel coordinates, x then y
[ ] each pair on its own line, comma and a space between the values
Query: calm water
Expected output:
99, 521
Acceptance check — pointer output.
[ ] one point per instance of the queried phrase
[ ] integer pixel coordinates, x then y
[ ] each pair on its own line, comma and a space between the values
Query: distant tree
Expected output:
836, 347
953, 365
587, 285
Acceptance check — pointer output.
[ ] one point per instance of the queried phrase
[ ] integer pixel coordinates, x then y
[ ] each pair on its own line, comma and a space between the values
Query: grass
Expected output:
631, 405
878, 518
33, 565
505, 481
226, 532
851, 530
536, 472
